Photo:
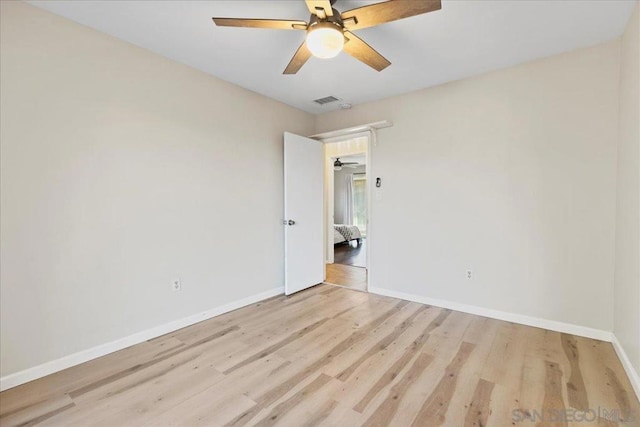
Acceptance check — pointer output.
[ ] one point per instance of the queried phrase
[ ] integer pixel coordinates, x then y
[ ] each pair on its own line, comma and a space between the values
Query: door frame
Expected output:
369, 134
330, 201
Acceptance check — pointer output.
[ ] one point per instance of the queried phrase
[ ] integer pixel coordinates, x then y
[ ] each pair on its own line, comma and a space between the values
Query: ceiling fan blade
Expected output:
276, 24
299, 58
392, 10
360, 50
324, 5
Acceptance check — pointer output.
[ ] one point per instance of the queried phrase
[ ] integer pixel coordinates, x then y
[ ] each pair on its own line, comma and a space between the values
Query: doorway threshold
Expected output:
351, 288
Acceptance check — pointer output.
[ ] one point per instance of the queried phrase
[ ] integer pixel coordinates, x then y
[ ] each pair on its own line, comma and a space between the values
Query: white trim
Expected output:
352, 130
345, 137
371, 142
345, 287
537, 322
15, 379
634, 377
329, 194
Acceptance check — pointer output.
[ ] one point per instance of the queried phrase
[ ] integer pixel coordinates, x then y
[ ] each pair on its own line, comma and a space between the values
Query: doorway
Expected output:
347, 213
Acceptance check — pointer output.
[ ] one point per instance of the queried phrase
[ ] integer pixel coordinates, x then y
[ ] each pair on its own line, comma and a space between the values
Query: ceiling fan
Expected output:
329, 31
338, 165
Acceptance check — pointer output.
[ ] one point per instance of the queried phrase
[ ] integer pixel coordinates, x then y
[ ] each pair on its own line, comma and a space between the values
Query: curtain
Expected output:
360, 203
348, 201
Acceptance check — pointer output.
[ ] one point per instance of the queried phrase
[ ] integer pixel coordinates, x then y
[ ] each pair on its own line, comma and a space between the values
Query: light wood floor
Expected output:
347, 275
333, 356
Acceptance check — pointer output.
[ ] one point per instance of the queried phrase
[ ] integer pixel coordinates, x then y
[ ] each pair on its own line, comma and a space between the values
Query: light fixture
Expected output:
325, 40
337, 165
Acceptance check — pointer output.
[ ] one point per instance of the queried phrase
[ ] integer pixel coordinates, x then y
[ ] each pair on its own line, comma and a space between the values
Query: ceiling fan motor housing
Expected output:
336, 19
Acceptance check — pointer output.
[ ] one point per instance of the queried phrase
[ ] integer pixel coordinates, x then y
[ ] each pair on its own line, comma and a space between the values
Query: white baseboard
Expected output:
65, 362
552, 325
633, 375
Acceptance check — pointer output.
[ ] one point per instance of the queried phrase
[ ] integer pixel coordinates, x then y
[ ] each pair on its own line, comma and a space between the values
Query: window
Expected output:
360, 202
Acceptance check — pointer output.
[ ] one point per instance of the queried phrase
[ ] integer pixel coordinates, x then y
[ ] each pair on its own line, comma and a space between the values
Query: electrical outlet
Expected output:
176, 285
469, 274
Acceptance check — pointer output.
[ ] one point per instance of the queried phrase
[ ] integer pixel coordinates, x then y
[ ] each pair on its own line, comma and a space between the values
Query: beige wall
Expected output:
627, 268
510, 174
120, 172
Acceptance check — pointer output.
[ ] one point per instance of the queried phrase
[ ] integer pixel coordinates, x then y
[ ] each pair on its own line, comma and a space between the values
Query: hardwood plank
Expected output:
277, 413
547, 345
280, 389
137, 402
621, 395
503, 406
507, 355
124, 373
435, 407
380, 345
575, 385
151, 373
266, 332
553, 400
329, 356
321, 414
385, 413
204, 409
469, 376
276, 346
224, 400
390, 375
531, 395
479, 408
606, 382
38, 413
56, 385
365, 377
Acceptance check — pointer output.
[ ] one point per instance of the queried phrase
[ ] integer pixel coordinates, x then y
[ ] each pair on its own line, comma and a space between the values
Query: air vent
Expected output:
325, 100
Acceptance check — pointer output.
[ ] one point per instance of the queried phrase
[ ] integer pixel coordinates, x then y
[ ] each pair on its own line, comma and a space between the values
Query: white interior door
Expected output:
303, 204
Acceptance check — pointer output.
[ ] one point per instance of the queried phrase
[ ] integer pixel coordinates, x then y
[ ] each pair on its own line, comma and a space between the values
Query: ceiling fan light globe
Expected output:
325, 40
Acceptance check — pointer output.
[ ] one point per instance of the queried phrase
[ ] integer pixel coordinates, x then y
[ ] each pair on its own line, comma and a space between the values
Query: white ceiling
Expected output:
465, 38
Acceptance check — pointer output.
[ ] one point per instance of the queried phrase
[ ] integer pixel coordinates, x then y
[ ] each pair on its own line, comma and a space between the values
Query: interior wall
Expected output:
512, 175
119, 173
339, 191
627, 267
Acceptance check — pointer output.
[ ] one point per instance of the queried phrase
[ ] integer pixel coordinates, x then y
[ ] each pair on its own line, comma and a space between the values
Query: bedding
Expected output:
337, 237
349, 232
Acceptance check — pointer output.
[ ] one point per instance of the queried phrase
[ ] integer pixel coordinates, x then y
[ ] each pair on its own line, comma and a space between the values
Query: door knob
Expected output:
291, 222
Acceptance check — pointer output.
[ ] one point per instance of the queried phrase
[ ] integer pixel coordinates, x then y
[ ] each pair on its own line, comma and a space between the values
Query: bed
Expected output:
346, 233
